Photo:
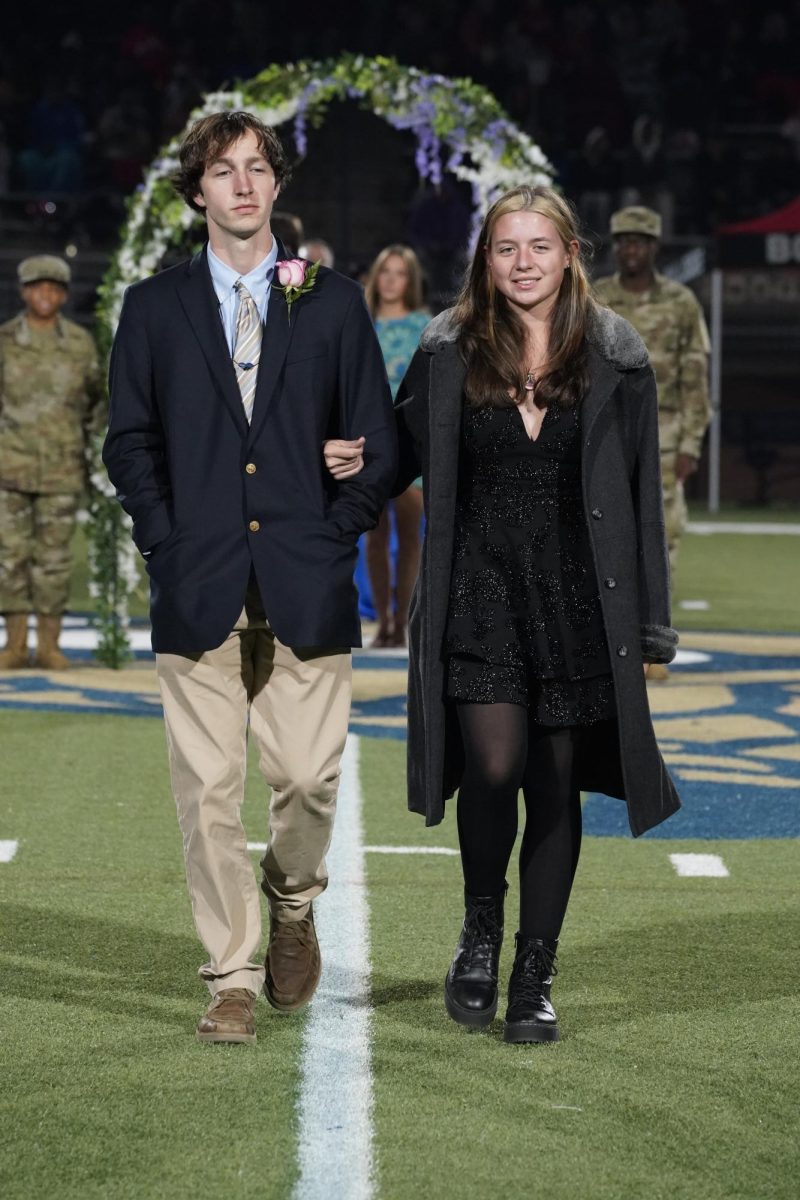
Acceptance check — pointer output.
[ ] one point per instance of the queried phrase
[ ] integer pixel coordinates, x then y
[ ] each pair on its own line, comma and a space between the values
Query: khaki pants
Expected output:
298, 703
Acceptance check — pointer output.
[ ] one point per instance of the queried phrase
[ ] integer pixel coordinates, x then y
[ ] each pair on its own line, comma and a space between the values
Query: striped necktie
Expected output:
247, 347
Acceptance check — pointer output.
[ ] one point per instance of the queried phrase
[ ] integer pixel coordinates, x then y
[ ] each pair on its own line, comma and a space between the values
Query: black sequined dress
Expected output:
525, 624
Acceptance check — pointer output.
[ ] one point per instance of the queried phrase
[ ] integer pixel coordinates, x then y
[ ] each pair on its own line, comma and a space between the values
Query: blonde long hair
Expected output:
412, 297
493, 336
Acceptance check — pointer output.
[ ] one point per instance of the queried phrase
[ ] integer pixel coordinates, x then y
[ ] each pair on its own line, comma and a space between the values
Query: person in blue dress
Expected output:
394, 297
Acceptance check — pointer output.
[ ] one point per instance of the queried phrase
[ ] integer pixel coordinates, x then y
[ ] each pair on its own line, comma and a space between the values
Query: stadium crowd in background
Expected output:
693, 109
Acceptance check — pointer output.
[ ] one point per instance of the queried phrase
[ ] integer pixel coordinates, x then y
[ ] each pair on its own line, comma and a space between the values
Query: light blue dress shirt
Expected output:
258, 283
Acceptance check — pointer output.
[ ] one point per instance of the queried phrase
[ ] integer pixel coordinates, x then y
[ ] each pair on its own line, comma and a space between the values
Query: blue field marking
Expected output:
726, 660
710, 811
365, 714
81, 657
369, 660
89, 700
754, 788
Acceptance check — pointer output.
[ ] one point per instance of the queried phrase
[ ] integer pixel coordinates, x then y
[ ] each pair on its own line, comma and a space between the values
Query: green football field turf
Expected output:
750, 581
106, 1093
677, 999
677, 996
678, 1004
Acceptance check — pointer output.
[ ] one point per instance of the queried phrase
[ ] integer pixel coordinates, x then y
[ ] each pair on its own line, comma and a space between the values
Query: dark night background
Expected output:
692, 108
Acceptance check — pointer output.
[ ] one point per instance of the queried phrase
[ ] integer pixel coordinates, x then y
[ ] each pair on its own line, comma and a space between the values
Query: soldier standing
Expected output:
51, 401
672, 326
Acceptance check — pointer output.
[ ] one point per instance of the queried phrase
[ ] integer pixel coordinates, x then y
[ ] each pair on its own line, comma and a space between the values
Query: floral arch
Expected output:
459, 128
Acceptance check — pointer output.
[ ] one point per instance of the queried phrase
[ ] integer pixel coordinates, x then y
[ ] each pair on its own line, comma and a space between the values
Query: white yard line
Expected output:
409, 850
685, 658
699, 864
335, 1103
79, 635
261, 847
8, 850
87, 639
708, 527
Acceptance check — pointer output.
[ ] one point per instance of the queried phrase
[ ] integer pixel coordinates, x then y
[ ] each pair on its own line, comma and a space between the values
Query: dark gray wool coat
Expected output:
623, 506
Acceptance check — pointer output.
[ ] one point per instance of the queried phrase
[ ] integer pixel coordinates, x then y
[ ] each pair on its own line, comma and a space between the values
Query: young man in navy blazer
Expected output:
222, 393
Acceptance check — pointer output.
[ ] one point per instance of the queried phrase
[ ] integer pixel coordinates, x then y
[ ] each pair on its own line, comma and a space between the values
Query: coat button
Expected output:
611, 583
254, 526
622, 651
251, 468
597, 513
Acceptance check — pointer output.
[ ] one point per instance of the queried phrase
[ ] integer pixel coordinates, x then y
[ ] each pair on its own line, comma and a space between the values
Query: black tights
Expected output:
505, 751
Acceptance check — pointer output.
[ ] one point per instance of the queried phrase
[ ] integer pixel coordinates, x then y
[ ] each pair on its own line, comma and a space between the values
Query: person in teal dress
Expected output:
394, 297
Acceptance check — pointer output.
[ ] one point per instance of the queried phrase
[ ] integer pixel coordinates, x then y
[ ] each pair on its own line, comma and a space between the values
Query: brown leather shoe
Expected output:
293, 963
229, 1017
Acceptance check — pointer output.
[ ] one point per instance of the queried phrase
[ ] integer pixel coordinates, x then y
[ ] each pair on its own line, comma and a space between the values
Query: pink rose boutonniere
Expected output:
295, 278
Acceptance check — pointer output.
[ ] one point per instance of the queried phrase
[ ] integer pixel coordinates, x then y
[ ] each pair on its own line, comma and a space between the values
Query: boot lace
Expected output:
532, 970
482, 930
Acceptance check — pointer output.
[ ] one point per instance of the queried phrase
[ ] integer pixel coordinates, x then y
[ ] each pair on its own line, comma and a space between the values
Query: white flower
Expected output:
279, 114
102, 484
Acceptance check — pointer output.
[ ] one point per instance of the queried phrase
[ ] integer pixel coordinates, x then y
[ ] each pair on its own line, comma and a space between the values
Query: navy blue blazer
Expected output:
212, 498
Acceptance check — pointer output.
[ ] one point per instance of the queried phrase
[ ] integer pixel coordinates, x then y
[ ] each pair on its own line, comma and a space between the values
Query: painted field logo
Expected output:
728, 723
729, 729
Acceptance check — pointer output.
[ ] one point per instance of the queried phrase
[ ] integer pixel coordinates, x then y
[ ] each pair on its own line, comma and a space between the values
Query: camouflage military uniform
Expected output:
51, 400
673, 328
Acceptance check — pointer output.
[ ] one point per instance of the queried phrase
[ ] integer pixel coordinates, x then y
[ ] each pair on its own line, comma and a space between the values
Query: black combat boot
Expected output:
530, 1017
470, 989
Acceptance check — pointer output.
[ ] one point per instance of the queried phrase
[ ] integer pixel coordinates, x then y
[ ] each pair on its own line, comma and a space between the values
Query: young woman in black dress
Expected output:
526, 655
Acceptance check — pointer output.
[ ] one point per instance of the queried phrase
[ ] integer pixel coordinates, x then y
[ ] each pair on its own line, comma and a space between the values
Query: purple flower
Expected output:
434, 161
300, 138
495, 134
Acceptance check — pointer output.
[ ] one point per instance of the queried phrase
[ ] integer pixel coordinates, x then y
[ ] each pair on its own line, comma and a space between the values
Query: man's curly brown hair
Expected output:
210, 137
